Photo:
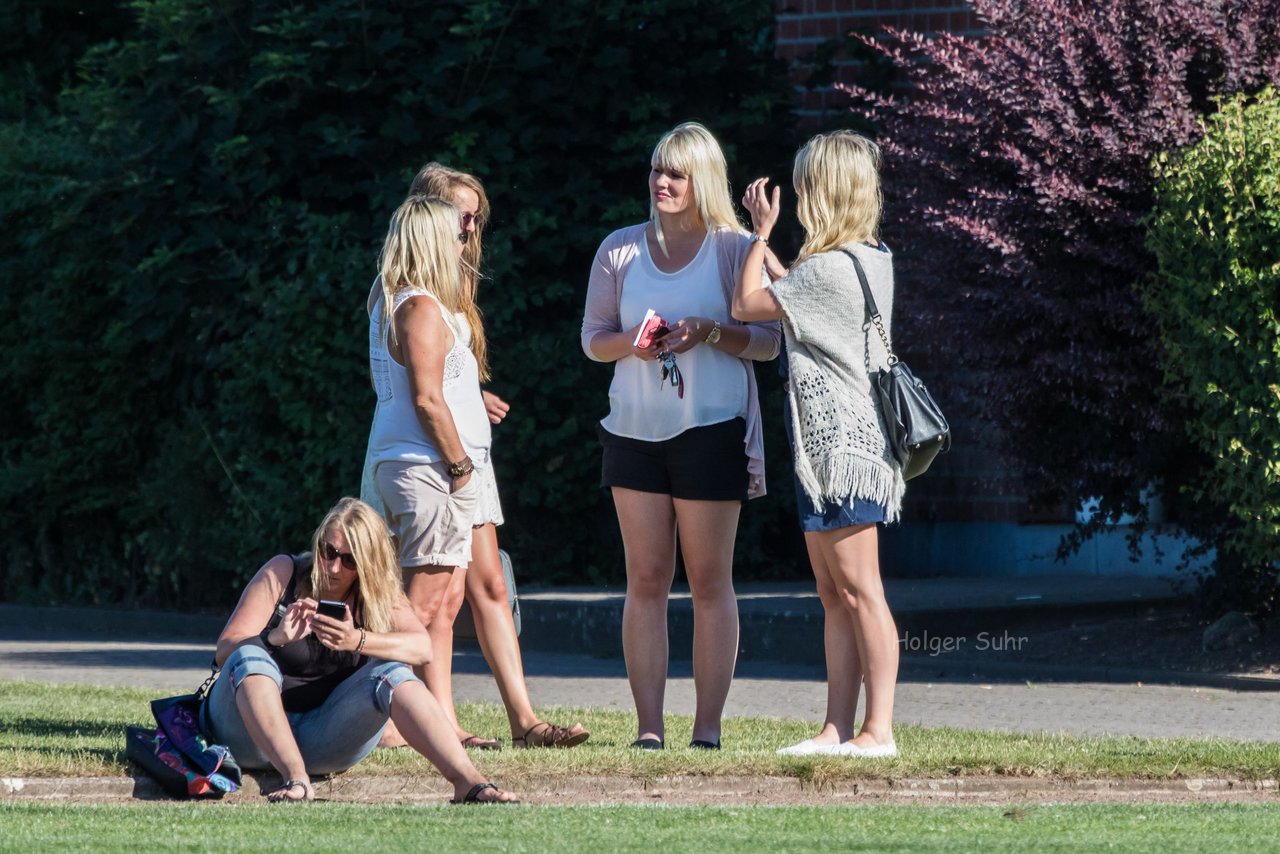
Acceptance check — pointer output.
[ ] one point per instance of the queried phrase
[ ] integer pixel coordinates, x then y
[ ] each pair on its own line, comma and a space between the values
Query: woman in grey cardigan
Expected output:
847, 480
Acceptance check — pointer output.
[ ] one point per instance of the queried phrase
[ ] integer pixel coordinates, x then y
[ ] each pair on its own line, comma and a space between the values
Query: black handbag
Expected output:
918, 431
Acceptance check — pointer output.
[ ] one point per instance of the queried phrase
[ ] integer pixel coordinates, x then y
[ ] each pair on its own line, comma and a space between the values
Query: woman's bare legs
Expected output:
707, 530
844, 670
428, 730
495, 629
262, 711
648, 524
436, 592
852, 559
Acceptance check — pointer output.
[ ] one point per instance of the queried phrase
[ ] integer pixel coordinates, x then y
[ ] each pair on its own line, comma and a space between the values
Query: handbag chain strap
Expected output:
873, 313
205, 687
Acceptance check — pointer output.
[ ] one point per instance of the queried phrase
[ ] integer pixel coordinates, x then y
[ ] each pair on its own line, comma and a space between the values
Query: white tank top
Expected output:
397, 433
715, 383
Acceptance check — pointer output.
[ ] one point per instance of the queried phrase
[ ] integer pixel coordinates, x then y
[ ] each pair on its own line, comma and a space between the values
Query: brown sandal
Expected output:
543, 734
477, 742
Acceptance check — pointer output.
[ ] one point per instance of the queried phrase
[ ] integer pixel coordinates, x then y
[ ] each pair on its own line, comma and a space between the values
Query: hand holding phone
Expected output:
652, 328
339, 636
333, 609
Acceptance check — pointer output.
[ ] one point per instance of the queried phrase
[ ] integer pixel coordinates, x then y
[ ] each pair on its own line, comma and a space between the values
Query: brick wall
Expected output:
804, 25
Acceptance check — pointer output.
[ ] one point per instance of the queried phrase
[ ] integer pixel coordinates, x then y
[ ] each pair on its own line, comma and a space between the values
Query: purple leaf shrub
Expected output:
1017, 178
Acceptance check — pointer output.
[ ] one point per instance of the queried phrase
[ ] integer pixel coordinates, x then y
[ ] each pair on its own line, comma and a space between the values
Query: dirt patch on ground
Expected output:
713, 791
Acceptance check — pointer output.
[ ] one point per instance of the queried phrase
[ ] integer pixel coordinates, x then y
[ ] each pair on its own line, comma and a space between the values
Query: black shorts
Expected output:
701, 464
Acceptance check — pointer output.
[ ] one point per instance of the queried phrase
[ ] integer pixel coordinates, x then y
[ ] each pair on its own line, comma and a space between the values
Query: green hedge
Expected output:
189, 236
1215, 232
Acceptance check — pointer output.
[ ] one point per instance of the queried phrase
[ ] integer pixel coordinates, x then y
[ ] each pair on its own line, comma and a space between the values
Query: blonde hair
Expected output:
421, 252
838, 198
436, 179
379, 587
690, 148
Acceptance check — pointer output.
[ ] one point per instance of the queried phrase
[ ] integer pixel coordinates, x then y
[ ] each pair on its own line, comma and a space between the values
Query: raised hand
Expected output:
763, 206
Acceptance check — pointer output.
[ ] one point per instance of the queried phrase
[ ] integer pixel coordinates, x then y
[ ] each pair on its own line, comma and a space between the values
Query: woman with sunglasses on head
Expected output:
683, 447
309, 694
425, 403
847, 478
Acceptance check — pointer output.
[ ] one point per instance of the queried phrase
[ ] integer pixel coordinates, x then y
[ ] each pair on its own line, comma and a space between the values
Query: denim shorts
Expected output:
833, 515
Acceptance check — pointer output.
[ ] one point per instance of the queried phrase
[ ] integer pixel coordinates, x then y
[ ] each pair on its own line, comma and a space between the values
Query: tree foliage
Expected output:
1019, 165
190, 237
1215, 297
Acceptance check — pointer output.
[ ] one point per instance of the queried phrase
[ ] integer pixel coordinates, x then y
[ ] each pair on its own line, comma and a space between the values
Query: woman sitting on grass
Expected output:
847, 480
309, 694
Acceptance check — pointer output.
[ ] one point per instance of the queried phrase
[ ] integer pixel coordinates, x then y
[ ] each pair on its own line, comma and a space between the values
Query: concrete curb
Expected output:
918, 666
432, 789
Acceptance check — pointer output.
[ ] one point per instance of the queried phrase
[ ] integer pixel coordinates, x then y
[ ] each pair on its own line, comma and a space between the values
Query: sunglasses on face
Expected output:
470, 220
329, 553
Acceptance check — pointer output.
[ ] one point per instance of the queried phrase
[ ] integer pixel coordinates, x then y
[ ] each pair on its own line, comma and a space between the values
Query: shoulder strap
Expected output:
301, 564
873, 313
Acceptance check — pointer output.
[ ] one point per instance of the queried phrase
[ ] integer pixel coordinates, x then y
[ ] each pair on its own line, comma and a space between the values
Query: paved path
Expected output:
760, 689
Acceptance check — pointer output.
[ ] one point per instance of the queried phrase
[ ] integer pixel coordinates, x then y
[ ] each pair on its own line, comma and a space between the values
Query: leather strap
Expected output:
873, 313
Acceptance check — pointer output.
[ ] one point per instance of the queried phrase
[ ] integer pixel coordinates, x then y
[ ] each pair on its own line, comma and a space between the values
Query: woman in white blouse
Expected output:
682, 449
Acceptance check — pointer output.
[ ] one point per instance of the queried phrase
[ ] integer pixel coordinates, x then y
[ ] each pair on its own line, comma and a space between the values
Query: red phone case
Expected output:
649, 329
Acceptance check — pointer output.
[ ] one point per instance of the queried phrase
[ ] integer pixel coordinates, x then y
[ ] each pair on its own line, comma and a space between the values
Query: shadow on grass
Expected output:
45, 728
156, 657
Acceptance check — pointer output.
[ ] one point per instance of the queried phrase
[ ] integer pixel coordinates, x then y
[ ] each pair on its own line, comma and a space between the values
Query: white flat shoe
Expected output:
879, 751
808, 747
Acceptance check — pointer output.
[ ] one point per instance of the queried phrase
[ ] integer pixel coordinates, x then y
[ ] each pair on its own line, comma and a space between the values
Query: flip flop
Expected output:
475, 742
281, 793
648, 744
473, 796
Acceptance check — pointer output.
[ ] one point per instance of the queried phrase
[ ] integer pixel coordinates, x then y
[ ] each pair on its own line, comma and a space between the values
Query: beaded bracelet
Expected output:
363, 635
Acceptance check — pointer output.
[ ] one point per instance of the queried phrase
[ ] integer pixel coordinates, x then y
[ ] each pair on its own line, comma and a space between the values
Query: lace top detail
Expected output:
397, 432
456, 359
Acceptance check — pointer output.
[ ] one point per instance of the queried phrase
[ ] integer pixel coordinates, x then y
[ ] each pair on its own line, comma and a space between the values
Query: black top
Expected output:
311, 670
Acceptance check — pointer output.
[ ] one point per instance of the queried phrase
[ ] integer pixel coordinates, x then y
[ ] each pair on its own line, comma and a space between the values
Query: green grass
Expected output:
350, 827
74, 730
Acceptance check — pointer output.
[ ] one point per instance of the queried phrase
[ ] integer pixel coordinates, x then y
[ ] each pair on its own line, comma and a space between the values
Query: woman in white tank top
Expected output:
465, 366
430, 429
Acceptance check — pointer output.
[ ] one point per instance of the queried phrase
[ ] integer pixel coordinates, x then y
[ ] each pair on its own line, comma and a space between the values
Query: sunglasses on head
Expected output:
330, 553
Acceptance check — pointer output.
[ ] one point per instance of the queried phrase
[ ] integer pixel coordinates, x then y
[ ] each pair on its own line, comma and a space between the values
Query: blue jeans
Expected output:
331, 737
